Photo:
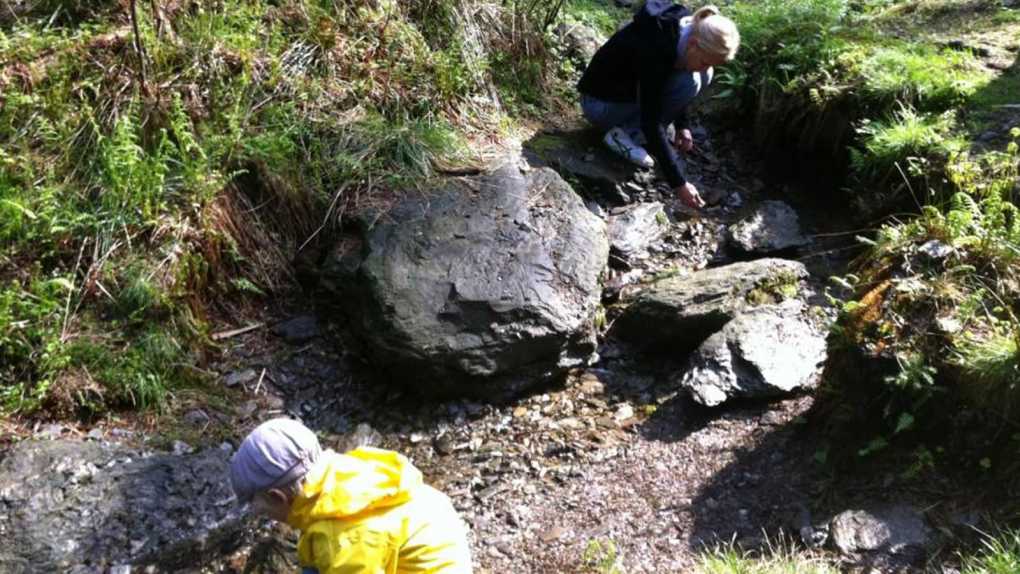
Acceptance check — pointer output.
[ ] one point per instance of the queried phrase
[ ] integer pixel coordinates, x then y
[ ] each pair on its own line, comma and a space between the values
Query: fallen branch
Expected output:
235, 332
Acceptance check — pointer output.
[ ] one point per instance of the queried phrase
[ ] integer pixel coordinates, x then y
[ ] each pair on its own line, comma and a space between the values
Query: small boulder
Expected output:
773, 226
762, 354
678, 313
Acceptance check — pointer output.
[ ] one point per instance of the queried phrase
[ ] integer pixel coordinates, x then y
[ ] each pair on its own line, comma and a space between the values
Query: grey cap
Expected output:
275, 454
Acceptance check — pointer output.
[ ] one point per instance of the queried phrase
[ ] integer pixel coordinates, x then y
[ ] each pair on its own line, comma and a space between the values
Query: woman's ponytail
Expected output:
704, 12
716, 33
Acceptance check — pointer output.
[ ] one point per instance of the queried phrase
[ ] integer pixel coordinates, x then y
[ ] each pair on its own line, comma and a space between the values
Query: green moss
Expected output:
776, 289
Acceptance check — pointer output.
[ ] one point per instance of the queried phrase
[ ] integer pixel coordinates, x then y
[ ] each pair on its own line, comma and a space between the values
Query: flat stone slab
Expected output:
70, 506
772, 226
676, 314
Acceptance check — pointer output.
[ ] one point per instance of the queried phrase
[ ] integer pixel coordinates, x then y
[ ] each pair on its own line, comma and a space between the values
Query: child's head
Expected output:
268, 467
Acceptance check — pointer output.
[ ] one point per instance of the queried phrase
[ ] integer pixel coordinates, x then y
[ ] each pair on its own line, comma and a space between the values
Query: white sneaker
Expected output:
621, 143
639, 138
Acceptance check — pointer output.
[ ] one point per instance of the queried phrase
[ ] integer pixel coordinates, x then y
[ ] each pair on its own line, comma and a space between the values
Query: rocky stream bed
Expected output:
628, 415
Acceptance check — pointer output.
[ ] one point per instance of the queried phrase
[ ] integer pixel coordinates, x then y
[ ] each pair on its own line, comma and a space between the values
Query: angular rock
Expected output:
634, 228
761, 354
677, 314
68, 506
482, 288
893, 529
773, 226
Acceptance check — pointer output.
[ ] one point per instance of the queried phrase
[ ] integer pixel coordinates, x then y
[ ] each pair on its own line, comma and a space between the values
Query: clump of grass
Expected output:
908, 134
990, 362
601, 557
783, 40
1000, 555
779, 559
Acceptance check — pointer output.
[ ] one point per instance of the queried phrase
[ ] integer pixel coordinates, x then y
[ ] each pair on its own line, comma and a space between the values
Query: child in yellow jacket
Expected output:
363, 511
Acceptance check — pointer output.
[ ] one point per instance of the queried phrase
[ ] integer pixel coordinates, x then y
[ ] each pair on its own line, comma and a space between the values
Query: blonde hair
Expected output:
716, 33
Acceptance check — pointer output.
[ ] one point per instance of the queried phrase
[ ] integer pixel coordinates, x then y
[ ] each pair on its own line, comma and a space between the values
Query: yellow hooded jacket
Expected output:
368, 511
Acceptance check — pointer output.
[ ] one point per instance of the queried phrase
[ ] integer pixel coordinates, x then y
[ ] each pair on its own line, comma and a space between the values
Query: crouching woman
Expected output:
640, 82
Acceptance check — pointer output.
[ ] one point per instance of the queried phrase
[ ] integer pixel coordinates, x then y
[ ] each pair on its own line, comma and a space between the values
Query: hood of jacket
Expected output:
345, 485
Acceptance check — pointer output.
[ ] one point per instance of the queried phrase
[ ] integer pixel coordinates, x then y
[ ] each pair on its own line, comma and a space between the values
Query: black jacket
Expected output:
642, 54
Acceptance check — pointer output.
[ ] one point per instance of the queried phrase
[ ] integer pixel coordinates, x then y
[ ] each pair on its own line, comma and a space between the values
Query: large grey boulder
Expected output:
894, 529
772, 226
677, 314
484, 287
68, 506
760, 354
633, 229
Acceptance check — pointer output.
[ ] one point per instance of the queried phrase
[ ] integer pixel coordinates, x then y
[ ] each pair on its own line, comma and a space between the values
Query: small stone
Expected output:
96, 434
553, 534
591, 385
417, 438
443, 445
120, 569
772, 226
51, 431
734, 200
624, 412
181, 447
935, 250
196, 417
240, 377
248, 408
949, 325
298, 330
520, 412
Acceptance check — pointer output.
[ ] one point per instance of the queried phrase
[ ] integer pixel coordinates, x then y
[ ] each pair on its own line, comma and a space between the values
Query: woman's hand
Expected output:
688, 194
684, 141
